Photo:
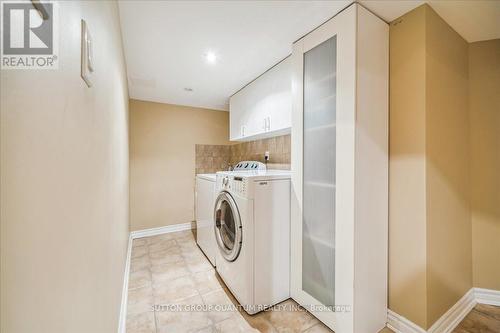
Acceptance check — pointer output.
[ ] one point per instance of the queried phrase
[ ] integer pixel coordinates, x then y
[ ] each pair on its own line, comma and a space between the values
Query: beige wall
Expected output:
430, 242
484, 108
449, 243
162, 159
64, 184
407, 204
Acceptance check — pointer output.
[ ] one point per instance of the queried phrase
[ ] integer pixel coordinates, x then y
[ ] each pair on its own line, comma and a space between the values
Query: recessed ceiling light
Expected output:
188, 89
210, 57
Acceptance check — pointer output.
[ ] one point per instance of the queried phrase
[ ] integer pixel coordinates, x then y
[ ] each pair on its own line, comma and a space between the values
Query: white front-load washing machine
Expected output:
252, 232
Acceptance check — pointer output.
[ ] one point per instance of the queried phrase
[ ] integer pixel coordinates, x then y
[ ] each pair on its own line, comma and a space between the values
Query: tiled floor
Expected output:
171, 269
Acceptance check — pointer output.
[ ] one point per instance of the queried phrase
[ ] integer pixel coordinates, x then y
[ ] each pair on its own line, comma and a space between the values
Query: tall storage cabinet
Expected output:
340, 171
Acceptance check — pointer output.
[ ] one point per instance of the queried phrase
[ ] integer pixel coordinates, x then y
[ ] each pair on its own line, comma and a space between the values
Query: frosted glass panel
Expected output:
318, 225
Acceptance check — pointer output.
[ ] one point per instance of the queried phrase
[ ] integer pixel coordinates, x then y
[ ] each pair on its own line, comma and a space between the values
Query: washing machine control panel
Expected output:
232, 184
249, 166
239, 185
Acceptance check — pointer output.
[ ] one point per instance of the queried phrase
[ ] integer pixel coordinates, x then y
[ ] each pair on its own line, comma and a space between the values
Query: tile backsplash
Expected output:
212, 158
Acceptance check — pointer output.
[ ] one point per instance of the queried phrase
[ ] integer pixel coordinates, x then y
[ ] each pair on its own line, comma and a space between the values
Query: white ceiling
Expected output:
474, 20
165, 41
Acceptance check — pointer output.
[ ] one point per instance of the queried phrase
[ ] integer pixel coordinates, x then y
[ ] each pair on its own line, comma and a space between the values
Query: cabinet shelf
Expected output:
326, 79
320, 241
320, 128
320, 184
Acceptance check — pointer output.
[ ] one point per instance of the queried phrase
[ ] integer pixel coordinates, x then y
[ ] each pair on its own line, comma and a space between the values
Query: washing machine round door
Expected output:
227, 226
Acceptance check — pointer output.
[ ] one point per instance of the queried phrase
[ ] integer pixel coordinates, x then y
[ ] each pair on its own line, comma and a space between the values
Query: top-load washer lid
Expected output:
227, 227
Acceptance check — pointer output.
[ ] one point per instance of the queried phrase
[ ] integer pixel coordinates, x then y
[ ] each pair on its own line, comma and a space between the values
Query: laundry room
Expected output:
250, 166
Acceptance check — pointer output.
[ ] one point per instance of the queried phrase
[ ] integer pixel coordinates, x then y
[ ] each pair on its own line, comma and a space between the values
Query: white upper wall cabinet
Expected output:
263, 108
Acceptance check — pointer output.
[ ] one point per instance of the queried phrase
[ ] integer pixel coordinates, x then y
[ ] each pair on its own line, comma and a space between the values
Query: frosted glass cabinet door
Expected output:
322, 170
318, 196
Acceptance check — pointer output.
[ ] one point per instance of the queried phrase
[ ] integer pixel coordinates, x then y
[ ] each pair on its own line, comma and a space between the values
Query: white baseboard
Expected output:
162, 230
400, 324
122, 324
455, 314
450, 320
487, 296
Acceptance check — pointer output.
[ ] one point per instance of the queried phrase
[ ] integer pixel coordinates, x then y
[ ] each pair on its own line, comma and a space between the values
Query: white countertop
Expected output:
258, 173
207, 176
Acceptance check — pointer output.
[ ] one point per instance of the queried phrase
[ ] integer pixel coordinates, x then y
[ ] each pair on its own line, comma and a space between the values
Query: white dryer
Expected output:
205, 196
252, 232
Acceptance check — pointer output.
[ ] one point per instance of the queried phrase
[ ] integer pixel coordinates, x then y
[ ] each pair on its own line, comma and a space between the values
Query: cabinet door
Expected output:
323, 89
237, 109
279, 109
264, 105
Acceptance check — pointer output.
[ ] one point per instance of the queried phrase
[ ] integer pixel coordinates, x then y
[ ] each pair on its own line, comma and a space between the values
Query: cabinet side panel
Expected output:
296, 160
204, 210
272, 241
371, 174
237, 108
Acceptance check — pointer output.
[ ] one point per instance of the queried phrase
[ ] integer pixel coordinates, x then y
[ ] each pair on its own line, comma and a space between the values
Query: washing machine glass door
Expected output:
227, 226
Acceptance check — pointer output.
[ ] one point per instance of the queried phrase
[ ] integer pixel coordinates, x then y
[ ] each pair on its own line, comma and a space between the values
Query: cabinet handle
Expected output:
242, 130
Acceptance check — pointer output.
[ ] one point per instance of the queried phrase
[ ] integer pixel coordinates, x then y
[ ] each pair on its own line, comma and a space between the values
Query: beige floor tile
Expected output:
188, 247
168, 272
186, 240
139, 251
162, 245
159, 238
174, 290
164, 257
141, 323
195, 254
221, 306
290, 320
207, 281
319, 328
259, 322
140, 300
386, 330
198, 264
185, 234
209, 329
139, 279
186, 320
235, 324
489, 310
139, 242
140, 263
